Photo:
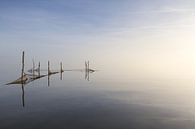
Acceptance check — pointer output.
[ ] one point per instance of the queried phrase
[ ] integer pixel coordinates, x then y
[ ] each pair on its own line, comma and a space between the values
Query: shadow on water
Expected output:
35, 74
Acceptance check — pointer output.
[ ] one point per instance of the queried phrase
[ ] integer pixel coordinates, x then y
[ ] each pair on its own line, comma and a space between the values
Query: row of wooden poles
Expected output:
39, 69
23, 79
87, 70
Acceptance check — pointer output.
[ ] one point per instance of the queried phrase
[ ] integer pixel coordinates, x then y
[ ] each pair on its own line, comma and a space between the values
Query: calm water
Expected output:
104, 102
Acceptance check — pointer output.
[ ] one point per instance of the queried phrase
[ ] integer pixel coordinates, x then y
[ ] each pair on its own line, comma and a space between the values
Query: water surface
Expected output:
104, 102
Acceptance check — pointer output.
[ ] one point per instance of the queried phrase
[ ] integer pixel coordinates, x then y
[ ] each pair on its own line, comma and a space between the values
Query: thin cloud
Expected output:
171, 10
127, 30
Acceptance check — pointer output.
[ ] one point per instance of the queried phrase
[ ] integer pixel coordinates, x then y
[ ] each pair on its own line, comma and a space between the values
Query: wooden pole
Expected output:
88, 70
33, 69
61, 70
22, 80
39, 69
48, 79
85, 66
48, 68
88, 66
22, 74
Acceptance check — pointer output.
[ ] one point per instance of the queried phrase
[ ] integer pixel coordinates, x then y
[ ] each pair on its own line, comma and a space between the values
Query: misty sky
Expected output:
149, 37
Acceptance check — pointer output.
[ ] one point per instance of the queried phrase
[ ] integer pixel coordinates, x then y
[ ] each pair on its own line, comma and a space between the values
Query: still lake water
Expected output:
104, 102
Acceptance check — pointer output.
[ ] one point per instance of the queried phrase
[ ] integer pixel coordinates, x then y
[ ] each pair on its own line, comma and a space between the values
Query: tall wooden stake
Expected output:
22, 79
48, 68
85, 66
33, 70
88, 66
39, 69
61, 70
22, 74
88, 70
48, 79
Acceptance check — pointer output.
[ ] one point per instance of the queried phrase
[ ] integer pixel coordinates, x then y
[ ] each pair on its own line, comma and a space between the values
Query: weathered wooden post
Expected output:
48, 79
61, 70
22, 74
33, 70
88, 70
22, 79
85, 70
88, 65
39, 69
85, 66
48, 68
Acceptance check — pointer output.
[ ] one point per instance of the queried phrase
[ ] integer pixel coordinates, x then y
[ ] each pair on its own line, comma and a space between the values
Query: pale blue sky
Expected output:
124, 32
47, 19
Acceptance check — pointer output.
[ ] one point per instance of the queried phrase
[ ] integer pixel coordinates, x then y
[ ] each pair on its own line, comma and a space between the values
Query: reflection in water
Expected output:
23, 102
48, 80
88, 70
35, 74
